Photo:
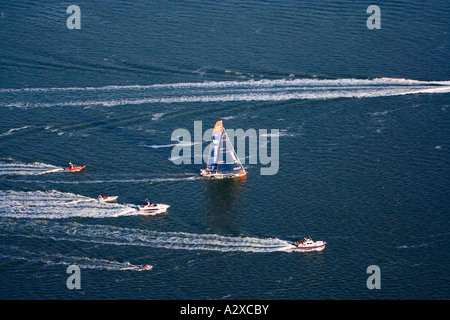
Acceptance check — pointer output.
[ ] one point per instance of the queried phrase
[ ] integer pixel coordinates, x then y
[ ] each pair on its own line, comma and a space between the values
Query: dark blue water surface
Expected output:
363, 118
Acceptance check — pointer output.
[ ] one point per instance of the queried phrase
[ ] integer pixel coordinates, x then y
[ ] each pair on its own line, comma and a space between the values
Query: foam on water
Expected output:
180, 144
112, 235
12, 130
248, 83
19, 168
56, 259
146, 180
221, 91
57, 205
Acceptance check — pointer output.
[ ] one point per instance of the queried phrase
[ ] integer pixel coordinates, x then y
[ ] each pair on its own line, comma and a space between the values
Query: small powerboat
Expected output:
217, 175
153, 207
107, 198
74, 168
307, 244
145, 267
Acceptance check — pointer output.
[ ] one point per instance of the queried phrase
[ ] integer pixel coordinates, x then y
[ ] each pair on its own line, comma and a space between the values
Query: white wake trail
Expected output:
57, 259
57, 205
219, 91
21, 169
248, 83
119, 236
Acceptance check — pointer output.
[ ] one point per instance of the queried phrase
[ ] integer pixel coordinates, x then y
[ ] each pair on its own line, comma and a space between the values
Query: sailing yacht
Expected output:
222, 161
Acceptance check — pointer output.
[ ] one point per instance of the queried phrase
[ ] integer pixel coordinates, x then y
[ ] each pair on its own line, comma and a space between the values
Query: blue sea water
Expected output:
364, 149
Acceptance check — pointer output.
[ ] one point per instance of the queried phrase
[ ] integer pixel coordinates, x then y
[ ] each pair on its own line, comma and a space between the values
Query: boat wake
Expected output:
119, 236
12, 130
48, 260
57, 205
11, 168
101, 181
218, 91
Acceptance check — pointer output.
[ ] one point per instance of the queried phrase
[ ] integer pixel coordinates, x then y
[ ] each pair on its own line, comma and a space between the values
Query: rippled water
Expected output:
363, 124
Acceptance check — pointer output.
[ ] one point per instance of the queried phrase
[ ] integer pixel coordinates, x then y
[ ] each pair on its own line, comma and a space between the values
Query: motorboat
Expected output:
107, 198
75, 168
153, 207
307, 244
145, 267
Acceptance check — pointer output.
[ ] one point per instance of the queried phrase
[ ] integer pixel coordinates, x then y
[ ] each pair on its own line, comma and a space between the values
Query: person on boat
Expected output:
71, 165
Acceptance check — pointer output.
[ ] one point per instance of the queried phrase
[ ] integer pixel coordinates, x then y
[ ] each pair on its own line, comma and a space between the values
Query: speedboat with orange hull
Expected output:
75, 168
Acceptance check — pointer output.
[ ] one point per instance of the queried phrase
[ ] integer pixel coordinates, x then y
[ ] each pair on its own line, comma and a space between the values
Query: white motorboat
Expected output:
307, 244
107, 198
153, 207
145, 267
